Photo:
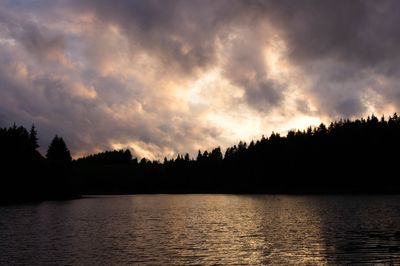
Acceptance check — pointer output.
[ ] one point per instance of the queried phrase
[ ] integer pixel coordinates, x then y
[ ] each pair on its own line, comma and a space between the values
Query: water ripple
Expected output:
203, 230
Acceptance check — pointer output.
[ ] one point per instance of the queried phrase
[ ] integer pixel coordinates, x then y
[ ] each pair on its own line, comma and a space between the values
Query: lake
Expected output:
202, 229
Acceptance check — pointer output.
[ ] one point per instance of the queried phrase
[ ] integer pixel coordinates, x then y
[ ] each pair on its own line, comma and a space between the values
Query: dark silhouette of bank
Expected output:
26, 174
347, 156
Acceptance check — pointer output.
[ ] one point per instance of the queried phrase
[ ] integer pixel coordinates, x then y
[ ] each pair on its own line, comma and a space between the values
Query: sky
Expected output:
167, 77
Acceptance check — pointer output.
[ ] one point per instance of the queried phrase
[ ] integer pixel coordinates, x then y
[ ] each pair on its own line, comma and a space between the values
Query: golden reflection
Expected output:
241, 230
292, 228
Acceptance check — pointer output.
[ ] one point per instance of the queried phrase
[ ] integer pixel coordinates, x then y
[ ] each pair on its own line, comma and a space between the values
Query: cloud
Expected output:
169, 77
38, 40
338, 46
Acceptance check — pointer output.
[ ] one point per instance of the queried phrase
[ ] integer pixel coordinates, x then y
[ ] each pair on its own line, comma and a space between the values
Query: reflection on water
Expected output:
203, 229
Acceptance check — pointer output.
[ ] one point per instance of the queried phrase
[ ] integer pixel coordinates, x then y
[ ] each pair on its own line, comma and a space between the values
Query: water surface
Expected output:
202, 229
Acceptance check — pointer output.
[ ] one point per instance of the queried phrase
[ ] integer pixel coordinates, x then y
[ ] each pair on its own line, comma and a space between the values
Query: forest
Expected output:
347, 156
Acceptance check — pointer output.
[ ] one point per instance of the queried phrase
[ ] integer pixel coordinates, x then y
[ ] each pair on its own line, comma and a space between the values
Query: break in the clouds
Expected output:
167, 77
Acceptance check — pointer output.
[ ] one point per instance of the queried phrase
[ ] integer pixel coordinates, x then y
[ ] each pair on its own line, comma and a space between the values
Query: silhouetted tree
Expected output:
108, 157
216, 154
33, 139
187, 158
30, 176
58, 151
199, 156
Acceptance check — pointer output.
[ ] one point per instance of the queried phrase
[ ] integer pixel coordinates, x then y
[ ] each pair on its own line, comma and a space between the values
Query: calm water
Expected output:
203, 229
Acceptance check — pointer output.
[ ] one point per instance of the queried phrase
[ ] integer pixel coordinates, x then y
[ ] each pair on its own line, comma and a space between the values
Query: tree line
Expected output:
27, 175
358, 155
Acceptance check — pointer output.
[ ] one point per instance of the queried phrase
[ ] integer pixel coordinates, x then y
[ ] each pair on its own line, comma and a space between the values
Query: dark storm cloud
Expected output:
360, 32
246, 68
72, 66
182, 34
339, 44
36, 39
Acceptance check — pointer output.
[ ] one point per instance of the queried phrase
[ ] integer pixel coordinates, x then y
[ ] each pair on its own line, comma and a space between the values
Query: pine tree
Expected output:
187, 157
33, 139
58, 150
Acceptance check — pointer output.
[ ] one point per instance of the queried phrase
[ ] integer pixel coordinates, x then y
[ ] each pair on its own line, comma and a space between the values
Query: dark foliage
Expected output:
358, 156
26, 175
344, 157
107, 157
18, 144
58, 151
